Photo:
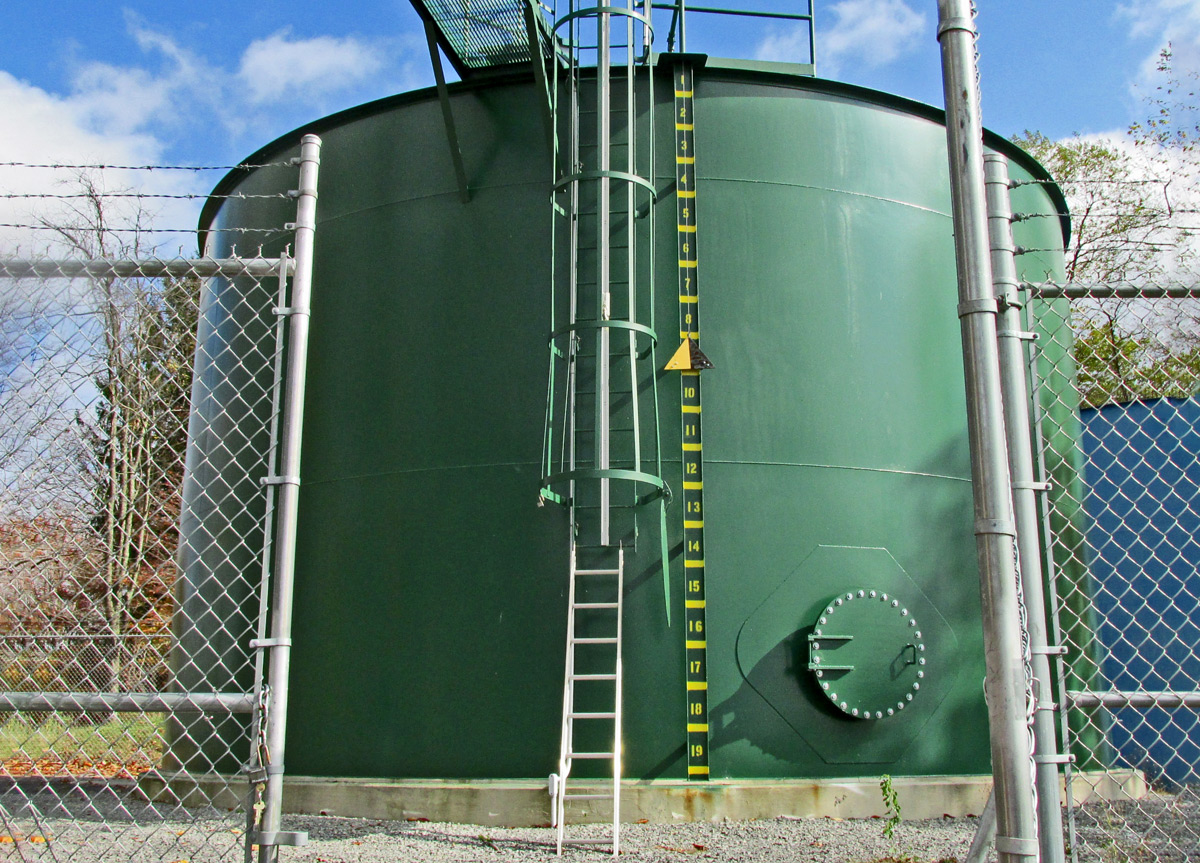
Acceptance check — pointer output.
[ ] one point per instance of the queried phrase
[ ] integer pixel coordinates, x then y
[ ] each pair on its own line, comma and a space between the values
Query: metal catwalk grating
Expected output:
480, 33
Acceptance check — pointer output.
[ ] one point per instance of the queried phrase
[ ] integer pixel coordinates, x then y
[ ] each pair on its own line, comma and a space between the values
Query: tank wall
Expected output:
431, 586
834, 424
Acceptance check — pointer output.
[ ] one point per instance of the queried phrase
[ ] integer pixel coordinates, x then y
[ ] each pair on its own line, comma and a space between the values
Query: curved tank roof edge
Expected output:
783, 76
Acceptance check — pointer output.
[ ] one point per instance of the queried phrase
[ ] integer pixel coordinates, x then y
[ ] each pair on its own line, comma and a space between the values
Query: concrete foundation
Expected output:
524, 803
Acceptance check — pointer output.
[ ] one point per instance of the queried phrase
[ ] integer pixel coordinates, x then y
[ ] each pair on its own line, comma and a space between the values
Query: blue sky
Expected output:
210, 82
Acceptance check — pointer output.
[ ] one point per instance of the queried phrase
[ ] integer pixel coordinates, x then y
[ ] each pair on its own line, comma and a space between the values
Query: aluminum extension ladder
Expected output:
601, 612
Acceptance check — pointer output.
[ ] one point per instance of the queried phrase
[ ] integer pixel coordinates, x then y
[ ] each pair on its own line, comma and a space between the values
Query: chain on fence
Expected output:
139, 405
1118, 429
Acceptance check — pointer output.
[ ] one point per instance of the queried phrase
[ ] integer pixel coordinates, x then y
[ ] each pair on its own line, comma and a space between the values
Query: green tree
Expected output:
1174, 121
1122, 221
137, 443
1126, 228
133, 443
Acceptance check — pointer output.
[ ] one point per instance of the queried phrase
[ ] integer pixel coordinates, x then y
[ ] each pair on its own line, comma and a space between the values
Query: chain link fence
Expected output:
140, 401
1116, 374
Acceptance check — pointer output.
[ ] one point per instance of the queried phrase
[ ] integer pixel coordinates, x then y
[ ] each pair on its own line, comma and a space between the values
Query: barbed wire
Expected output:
1088, 182
186, 197
103, 167
276, 229
1020, 217
1146, 246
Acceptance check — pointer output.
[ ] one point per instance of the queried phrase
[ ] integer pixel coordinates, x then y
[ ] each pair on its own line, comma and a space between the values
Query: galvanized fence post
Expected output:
269, 836
1123, 448
995, 530
1014, 365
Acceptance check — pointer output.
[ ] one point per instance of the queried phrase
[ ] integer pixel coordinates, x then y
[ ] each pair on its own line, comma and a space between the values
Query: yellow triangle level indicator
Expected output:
688, 358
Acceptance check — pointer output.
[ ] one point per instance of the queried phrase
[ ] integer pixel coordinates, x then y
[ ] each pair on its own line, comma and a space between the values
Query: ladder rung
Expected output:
597, 572
593, 715
594, 755
593, 677
597, 605
612, 506
593, 641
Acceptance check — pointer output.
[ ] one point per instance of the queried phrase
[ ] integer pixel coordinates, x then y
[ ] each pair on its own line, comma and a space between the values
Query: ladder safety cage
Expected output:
601, 448
600, 457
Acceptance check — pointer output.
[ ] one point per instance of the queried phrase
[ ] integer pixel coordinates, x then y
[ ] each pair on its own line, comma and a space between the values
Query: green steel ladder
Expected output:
601, 457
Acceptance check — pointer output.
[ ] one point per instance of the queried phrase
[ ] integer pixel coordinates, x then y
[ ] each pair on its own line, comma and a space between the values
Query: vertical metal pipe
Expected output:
812, 34
267, 557
985, 833
619, 695
630, 232
289, 491
1054, 605
573, 241
1014, 362
995, 532
604, 261
647, 33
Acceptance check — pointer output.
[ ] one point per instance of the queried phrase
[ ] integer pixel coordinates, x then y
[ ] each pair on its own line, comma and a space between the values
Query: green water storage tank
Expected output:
431, 585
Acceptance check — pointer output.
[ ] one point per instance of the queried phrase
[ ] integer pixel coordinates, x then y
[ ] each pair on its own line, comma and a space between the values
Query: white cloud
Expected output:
110, 115
1150, 17
868, 33
42, 128
1147, 178
165, 103
280, 66
1166, 22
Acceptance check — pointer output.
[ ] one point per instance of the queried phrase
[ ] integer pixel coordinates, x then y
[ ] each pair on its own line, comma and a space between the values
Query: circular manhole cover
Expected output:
868, 654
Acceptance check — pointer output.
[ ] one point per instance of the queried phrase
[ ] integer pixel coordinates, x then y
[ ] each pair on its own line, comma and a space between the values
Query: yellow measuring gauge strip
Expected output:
696, 651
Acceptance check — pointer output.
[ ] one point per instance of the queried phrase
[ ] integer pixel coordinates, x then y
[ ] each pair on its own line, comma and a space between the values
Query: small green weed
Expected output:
891, 806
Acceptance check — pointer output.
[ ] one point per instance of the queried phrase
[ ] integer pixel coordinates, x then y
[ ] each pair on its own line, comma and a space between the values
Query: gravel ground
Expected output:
1162, 828
350, 840
44, 827
341, 840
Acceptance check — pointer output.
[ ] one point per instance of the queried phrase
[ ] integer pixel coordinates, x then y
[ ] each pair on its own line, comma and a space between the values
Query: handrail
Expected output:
680, 8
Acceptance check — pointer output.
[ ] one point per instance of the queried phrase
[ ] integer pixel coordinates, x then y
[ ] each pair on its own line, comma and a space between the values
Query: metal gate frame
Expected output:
63, 814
